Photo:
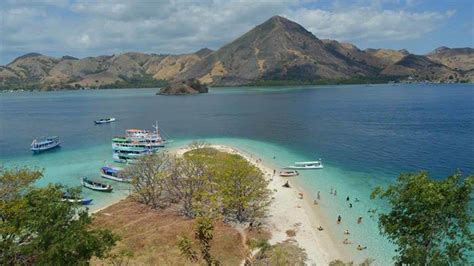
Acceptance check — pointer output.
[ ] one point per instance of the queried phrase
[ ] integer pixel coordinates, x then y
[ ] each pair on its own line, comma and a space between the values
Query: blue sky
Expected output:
89, 28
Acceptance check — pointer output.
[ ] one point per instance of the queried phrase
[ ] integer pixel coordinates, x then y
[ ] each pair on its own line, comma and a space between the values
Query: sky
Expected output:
82, 28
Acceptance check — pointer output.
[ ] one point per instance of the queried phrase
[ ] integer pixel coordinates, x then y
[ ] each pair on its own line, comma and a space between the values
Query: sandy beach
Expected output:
289, 212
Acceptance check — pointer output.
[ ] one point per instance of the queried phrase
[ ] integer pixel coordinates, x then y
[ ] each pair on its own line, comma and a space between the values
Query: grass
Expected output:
151, 236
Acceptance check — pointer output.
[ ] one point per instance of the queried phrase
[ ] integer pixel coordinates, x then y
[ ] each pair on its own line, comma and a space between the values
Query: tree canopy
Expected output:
38, 227
429, 219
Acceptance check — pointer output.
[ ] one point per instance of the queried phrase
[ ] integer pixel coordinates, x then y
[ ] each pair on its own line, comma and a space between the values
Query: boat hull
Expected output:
90, 185
42, 149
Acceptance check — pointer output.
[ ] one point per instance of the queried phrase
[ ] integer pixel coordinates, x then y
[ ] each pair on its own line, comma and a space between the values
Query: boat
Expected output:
49, 143
289, 173
104, 120
113, 173
306, 165
70, 199
94, 185
136, 143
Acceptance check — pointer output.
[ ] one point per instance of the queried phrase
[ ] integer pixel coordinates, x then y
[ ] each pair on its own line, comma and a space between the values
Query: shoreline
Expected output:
288, 212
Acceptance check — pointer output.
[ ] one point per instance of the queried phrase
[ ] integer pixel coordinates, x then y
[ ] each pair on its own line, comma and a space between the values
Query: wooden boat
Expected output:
306, 165
113, 173
94, 185
289, 173
70, 199
104, 120
49, 143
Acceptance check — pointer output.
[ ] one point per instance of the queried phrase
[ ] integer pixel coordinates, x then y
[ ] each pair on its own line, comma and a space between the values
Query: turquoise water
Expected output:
365, 135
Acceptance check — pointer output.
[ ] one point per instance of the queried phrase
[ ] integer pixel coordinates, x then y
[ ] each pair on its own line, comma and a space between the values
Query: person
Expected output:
359, 247
274, 171
346, 232
347, 199
357, 200
320, 228
350, 205
300, 195
330, 192
335, 192
286, 184
274, 157
319, 196
359, 220
339, 219
346, 242
315, 202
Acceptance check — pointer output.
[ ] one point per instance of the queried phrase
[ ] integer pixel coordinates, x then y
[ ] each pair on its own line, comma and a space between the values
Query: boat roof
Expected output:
310, 162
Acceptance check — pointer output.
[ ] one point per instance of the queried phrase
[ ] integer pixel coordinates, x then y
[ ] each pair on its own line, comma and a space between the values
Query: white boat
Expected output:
105, 120
289, 173
95, 185
306, 165
46, 144
113, 173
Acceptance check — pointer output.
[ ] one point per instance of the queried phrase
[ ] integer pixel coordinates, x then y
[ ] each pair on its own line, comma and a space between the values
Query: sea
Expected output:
366, 135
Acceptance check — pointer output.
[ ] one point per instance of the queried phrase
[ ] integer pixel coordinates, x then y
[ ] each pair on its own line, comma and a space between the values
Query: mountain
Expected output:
276, 50
421, 68
455, 58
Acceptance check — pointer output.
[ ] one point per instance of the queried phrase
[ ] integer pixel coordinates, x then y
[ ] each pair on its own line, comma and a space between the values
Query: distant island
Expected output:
277, 52
180, 87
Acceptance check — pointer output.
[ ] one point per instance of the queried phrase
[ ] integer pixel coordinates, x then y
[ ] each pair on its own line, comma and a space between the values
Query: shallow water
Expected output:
366, 135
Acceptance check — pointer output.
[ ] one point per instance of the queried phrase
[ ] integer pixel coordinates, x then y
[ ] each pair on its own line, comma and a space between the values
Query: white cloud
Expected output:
369, 24
85, 28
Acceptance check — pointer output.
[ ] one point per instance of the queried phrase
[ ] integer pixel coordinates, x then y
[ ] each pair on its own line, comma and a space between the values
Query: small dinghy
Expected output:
94, 185
289, 173
104, 120
70, 199
113, 173
306, 165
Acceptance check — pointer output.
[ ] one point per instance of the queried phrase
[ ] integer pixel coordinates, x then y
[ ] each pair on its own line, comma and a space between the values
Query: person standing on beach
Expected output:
319, 196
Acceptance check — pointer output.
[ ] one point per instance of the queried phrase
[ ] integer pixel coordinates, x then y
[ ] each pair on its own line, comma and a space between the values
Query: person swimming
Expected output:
359, 220
346, 232
359, 247
339, 219
335, 192
346, 242
319, 196
347, 199
350, 205
357, 200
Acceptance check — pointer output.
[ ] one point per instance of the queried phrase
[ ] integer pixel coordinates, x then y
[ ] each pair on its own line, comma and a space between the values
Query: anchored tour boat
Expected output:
306, 165
49, 143
104, 120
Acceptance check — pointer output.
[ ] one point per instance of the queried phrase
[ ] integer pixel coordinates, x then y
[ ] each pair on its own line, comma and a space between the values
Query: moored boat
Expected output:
113, 173
49, 143
95, 185
306, 165
70, 199
105, 120
289, 173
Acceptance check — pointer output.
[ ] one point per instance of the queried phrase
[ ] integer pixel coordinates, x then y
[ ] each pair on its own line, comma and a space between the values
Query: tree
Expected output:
37, 227
203, 233
149, 176
243, 189
429, 219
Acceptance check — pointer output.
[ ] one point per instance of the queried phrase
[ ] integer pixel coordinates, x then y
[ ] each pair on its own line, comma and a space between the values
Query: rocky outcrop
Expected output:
190, 86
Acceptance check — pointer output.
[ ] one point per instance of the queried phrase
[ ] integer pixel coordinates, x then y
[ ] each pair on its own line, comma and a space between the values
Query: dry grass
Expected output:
152, 235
